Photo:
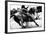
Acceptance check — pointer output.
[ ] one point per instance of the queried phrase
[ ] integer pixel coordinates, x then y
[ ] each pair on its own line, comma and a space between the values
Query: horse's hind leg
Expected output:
17, 20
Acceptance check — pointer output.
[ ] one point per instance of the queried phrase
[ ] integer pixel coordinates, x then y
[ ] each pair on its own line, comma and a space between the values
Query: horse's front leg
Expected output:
21, 22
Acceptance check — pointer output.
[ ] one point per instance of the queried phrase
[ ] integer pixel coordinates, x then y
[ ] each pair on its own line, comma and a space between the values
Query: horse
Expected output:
16, 19
26, 18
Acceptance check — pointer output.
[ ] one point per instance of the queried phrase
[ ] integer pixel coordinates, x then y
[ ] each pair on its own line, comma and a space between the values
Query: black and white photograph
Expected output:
25, 16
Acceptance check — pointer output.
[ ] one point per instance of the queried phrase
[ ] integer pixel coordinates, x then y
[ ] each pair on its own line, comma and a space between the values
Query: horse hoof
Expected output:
23, 27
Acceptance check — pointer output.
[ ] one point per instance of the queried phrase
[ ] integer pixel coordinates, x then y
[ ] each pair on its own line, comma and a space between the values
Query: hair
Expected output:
23, 6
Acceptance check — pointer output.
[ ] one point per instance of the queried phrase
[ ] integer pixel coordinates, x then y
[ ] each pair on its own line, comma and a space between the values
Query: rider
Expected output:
24, 15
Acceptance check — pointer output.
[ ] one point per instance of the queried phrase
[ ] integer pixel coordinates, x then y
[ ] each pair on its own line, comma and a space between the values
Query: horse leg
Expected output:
22, 24
17, 20
35, 23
